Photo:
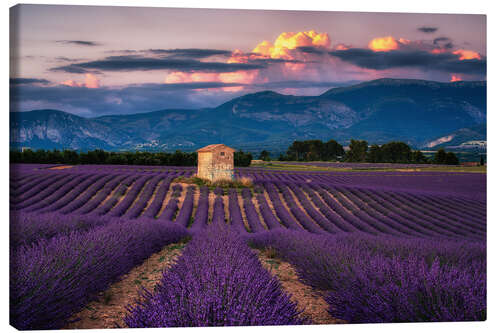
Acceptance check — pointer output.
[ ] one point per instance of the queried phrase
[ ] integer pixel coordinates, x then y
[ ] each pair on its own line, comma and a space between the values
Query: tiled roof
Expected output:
215, 147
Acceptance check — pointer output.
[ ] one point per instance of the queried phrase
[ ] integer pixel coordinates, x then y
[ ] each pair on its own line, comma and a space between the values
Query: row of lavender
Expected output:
350, 165
69, 224
218, 281
315, 207
472, 185
369, 279
54, 275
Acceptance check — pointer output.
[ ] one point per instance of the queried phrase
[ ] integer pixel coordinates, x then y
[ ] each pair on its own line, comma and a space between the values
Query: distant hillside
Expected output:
464, 138
378, 111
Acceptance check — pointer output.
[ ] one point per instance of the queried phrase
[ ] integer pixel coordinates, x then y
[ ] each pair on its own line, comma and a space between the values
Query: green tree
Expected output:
297, 151
396, 152
265, 156
440, 157
418, 157
358, 151
332, 151
451, 159
375, 155
70, 157
242, 159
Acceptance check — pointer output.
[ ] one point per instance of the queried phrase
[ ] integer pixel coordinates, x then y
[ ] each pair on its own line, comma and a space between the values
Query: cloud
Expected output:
91, 81
233, 81
122, 100
191, 53
144, 97
438, 40
139, 63
288, 41
383, 44
79, 42
73, 69
443, 43
467, 54
427, 30
20, 80
66, 59
305, 84
422, 60
312, 49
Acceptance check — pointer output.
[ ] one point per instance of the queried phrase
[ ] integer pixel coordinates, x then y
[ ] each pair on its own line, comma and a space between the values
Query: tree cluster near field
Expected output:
360, 151
99, 156
391, 152
314, 150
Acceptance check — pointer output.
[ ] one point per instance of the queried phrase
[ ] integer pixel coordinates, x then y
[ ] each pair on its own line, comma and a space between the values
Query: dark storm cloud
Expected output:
304, 84
438, 40
311, 49
123, 100
19, 80
141, 97
66, 59
422, 60
184, 86
74, 69
128, 51
270, 61
443, 42
191, 53
79, 42
139, 63
427, 30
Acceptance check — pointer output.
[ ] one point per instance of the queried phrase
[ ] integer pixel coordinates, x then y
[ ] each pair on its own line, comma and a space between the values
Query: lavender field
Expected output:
378, 246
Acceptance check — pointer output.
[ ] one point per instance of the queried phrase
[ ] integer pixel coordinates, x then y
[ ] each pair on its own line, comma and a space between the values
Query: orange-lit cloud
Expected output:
288, 41
313, 66
467, 54
455, 78
91, 81
281, 48
384, 44
438, 51
404, 41
182, 77
341, 47
71, 83
243, 77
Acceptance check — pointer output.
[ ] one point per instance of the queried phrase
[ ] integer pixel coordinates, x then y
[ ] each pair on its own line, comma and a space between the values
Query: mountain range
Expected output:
418, 112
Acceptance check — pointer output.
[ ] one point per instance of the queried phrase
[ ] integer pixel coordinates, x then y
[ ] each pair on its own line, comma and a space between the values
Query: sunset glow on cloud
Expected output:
242, 77
176, 65
290, 40
282, 48
383, 44
467, 54
91, 81
297, 56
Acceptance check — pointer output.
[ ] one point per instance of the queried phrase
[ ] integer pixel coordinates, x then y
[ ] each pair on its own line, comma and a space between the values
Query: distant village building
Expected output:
216, 162
23, 149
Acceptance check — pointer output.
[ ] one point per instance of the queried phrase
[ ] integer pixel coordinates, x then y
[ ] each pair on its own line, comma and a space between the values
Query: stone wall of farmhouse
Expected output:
216, 165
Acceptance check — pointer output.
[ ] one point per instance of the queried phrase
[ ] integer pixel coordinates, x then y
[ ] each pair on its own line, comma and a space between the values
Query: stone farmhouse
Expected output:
216, 162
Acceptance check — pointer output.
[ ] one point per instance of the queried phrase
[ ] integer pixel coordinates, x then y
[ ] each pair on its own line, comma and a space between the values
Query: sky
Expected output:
94, 61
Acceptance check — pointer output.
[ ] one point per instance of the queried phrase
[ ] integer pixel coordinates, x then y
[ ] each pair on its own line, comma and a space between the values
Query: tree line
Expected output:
360, 151
98, 156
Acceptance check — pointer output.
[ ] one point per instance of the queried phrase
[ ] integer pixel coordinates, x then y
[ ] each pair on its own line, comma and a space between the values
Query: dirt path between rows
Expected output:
109, 310
310, 301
